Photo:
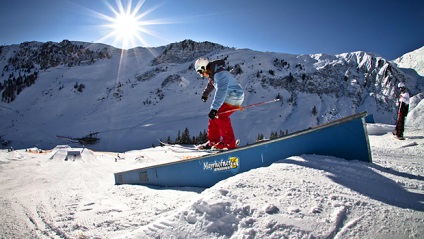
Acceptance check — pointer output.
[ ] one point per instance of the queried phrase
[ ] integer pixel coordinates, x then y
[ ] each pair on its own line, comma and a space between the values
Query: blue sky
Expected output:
389, 28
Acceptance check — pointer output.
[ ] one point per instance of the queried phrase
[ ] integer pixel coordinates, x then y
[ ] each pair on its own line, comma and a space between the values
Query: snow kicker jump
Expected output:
344, 138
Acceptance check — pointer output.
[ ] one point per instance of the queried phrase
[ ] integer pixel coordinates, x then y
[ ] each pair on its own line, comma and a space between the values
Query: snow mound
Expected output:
415, 100
65, 153
379, 129
7, 156
415, 116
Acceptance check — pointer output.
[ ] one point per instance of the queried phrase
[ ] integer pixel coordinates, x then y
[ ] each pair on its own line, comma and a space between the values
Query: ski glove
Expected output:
204, 98
213, 114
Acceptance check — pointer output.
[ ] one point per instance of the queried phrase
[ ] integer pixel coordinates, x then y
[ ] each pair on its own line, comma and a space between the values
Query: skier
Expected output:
228, 97
402, 112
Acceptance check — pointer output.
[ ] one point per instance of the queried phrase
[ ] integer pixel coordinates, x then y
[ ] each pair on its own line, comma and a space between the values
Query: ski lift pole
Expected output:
241, 108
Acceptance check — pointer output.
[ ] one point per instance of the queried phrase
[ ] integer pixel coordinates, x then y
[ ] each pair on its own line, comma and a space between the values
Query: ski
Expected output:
194, 148
177, 148
190, 151
200, 146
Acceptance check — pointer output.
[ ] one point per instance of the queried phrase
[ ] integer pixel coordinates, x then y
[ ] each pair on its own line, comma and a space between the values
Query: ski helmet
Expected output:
401, 85
200, 65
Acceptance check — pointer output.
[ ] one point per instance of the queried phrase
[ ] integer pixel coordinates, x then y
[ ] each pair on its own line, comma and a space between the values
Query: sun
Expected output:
127, 24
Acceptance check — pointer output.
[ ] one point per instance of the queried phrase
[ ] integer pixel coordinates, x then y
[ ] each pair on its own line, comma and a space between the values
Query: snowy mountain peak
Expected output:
187, 50
412, 60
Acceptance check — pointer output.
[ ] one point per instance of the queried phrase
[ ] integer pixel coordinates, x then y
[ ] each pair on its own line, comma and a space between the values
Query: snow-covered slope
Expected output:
412, 60
415, 116
303, 196
134, 97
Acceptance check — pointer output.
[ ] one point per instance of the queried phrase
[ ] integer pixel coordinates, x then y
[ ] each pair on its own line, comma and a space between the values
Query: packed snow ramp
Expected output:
345, 138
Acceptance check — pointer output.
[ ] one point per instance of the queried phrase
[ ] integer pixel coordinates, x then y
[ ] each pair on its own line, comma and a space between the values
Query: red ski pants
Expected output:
221, 128
400, 125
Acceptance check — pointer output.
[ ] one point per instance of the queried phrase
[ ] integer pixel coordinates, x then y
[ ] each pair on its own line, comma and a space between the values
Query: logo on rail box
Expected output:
230, 164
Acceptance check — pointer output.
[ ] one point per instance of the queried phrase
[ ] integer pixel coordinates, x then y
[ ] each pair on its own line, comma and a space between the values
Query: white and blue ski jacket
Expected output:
227, 88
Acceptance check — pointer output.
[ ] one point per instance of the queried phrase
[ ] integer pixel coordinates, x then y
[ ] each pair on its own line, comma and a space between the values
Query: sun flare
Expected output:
127, 25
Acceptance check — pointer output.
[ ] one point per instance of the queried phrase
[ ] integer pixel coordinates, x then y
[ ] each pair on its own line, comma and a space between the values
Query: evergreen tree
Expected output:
278, 97
81, 87
205, 136
314, 110
260, 137
185, 137
199, 138
178, 139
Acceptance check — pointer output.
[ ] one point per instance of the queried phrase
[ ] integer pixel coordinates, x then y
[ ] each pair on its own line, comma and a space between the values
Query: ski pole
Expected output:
241, 108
